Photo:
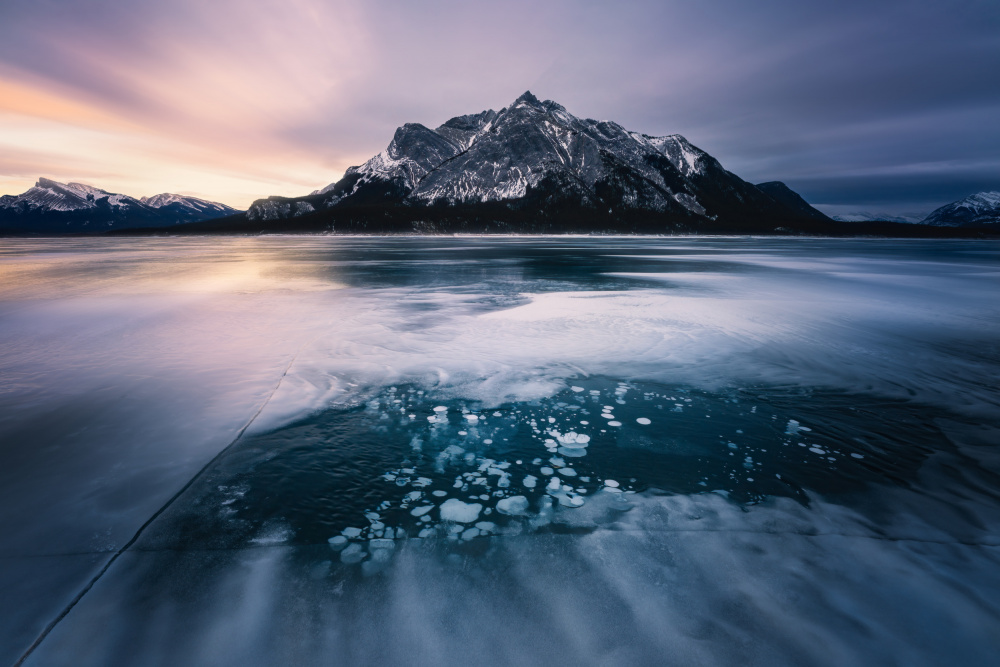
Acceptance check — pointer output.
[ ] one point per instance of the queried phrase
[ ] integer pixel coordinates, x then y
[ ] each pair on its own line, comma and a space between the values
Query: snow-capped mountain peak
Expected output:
536, 150
526, 100
193, 204
156, 201
51, 206
989, 200
982, 208
49, 195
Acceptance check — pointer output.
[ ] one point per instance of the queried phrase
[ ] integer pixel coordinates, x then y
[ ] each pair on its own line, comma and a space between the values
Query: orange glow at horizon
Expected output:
211, 115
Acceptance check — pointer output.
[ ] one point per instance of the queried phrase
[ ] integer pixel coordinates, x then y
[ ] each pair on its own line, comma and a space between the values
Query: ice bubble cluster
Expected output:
513, 506
794, 427
455, 485
457, 511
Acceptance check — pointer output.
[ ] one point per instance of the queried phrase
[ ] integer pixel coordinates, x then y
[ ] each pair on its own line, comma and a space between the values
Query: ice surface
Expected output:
103, 344
762, 605
353, 553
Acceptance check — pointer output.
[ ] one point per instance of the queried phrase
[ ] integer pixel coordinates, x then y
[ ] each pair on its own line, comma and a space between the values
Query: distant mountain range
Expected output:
535, 167
52, 207
532, 167
977, 210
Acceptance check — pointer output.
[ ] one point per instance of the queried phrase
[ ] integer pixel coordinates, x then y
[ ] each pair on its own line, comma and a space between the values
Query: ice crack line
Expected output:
79, 596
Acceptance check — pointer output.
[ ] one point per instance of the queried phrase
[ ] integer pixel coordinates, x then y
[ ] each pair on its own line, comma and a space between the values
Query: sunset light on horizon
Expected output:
450, 333
234, 101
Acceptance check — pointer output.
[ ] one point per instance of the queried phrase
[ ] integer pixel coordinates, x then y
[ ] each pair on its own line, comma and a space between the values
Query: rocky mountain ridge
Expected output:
867, 216
53, 207
533, 166
980, 209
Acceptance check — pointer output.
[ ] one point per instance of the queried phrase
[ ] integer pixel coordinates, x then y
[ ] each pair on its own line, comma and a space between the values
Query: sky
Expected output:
889, 106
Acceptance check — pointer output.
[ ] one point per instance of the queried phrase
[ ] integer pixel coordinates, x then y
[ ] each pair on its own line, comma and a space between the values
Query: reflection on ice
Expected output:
715, 450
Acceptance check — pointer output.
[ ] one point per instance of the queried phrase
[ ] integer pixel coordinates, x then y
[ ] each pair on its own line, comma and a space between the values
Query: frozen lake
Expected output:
437, 451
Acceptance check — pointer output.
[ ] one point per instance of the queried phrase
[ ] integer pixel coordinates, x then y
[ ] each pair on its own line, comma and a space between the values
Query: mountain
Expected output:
191, 206
974, 211
534, 167
52, 207
791, 199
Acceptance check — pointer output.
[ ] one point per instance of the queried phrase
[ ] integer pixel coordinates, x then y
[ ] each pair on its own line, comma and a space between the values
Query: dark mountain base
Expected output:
100, 219
499, 218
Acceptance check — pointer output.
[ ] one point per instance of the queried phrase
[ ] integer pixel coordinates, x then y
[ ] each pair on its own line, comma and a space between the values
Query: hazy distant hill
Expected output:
865, 216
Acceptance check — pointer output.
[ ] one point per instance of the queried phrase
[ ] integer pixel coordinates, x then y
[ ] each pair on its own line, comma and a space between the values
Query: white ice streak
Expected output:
834, 325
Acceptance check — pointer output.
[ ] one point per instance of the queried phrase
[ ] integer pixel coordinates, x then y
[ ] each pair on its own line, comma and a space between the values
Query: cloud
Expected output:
234, 100
200, 95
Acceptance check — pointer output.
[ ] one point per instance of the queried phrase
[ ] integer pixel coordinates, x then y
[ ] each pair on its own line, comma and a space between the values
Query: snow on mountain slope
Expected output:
532, 141
688, 159
975, 210
53, 207
536, 154
49, 195
463, 130
413, 152
193, 204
